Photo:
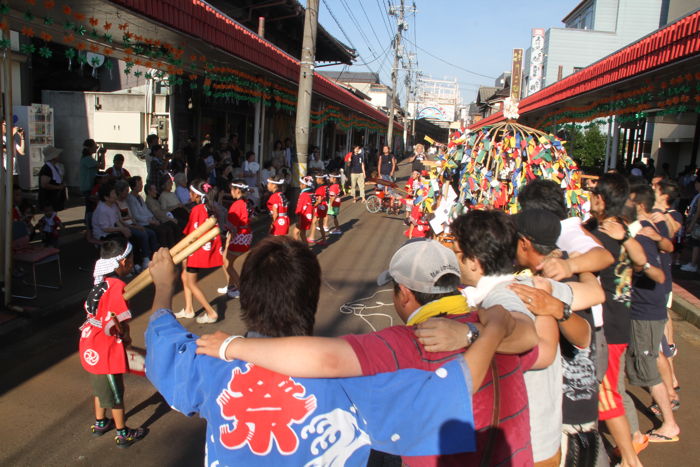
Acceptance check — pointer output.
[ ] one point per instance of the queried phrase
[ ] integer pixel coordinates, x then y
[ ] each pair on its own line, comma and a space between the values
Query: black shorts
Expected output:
195, 270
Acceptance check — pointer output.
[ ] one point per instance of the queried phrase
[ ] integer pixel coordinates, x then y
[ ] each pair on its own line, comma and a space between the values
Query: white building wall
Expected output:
606, 15
632, 20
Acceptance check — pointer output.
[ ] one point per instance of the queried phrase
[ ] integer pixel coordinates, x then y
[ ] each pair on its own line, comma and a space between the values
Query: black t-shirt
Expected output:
579, 383
418, 161
356, 162
616, 281
666, 259
648, 297
386, 163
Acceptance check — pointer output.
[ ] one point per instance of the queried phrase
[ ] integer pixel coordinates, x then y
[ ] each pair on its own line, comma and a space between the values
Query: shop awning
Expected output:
633, 79
199, 19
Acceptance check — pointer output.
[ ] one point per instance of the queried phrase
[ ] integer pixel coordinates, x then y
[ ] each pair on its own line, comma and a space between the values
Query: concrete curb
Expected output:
686, 310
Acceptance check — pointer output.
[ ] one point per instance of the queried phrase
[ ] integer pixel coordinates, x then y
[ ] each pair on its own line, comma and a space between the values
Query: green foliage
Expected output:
586, 147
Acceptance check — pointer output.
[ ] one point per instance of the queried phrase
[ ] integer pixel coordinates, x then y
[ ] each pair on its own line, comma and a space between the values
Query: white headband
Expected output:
105, 266
275, 182
242, 186
334, 175
305, 182
322, 176
197, 192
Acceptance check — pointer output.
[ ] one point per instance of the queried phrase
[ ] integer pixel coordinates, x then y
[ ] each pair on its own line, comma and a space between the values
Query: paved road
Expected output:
46, 400
45, 397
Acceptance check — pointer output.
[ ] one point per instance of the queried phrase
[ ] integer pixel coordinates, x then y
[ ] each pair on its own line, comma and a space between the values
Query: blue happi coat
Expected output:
258, 417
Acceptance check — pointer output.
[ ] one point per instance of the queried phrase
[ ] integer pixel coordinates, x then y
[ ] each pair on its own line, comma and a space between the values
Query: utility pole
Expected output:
306, 81
401, 26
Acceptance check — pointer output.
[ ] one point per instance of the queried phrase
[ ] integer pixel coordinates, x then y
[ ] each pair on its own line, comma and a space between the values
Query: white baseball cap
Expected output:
419, 264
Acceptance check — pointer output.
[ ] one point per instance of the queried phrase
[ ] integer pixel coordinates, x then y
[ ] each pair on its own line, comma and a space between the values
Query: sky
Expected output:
473, 35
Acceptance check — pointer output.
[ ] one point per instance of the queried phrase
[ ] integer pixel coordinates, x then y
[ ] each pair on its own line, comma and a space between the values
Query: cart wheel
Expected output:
373, 203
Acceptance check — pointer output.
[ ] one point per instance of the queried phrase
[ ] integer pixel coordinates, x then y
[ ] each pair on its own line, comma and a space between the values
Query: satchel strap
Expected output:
495, 418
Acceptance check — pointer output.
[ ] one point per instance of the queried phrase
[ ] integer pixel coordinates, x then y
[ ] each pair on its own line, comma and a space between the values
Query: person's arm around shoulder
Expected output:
301, 357
542, 303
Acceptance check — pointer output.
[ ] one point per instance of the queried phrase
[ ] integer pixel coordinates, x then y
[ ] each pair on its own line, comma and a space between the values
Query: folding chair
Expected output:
35, 255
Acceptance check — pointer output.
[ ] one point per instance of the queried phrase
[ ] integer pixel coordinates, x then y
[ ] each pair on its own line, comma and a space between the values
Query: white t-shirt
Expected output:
573, 239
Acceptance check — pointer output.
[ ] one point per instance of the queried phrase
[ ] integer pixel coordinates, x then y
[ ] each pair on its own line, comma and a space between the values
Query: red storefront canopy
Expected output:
673, 43
199, 19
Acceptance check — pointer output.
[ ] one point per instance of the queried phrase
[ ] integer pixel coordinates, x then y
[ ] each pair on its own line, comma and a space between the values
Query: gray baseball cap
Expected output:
419, 264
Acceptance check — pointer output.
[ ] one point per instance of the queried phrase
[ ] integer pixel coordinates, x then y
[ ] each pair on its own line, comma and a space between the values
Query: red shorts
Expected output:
321, 211
610, 403
280, 227
304, 221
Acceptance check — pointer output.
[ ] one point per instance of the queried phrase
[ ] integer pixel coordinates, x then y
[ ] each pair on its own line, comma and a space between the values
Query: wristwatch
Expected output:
566, 314
627, 236
646, 266
472, 333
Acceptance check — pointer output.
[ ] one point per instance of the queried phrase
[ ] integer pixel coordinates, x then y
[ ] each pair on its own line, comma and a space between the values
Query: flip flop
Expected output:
654, 408
638, 447
659, 438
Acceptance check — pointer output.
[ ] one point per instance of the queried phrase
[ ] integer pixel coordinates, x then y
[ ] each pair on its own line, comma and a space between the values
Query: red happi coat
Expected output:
101, 350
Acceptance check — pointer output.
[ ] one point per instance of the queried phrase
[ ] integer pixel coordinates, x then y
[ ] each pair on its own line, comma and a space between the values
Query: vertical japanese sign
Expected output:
516, 76
536, 61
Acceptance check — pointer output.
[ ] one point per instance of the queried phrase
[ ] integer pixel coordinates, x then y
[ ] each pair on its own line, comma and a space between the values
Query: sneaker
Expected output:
183, 314
690, 267
233, 293
204, 318
222, 290
328, 229
101, 427
129, 436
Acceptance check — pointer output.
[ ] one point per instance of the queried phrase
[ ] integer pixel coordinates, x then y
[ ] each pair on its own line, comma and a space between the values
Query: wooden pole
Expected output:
177, 259
180, 246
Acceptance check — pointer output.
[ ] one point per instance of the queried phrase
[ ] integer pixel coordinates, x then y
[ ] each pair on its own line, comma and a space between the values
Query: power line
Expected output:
382, 12
449, 63
357, 25
364, 12
345, 34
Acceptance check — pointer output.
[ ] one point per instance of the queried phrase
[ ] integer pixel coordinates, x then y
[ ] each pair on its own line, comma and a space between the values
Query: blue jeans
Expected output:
145, 240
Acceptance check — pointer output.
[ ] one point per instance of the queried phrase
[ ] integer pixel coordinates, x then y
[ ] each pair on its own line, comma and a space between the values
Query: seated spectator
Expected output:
291, 312
117, 171
166, 231
146, 240
181, 190
170, 202
315, 162
106, 219
154, 206
50, 226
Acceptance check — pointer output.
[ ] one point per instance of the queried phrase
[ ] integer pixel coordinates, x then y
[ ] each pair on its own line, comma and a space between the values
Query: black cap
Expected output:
538, 225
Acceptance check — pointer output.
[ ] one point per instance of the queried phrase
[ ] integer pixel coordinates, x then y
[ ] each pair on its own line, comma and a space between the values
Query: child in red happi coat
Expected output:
104, 337
240, 236
305, 208
320, 208
335, 193
278, 206
209, 256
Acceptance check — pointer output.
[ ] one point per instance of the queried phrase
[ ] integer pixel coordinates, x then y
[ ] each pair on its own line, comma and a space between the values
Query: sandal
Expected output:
659, 438
654, 408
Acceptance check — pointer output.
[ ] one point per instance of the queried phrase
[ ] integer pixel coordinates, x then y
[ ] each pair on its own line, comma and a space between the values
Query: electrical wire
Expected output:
382, 56
449, 63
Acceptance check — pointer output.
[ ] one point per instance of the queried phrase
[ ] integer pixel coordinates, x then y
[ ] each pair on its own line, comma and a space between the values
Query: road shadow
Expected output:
161, 409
